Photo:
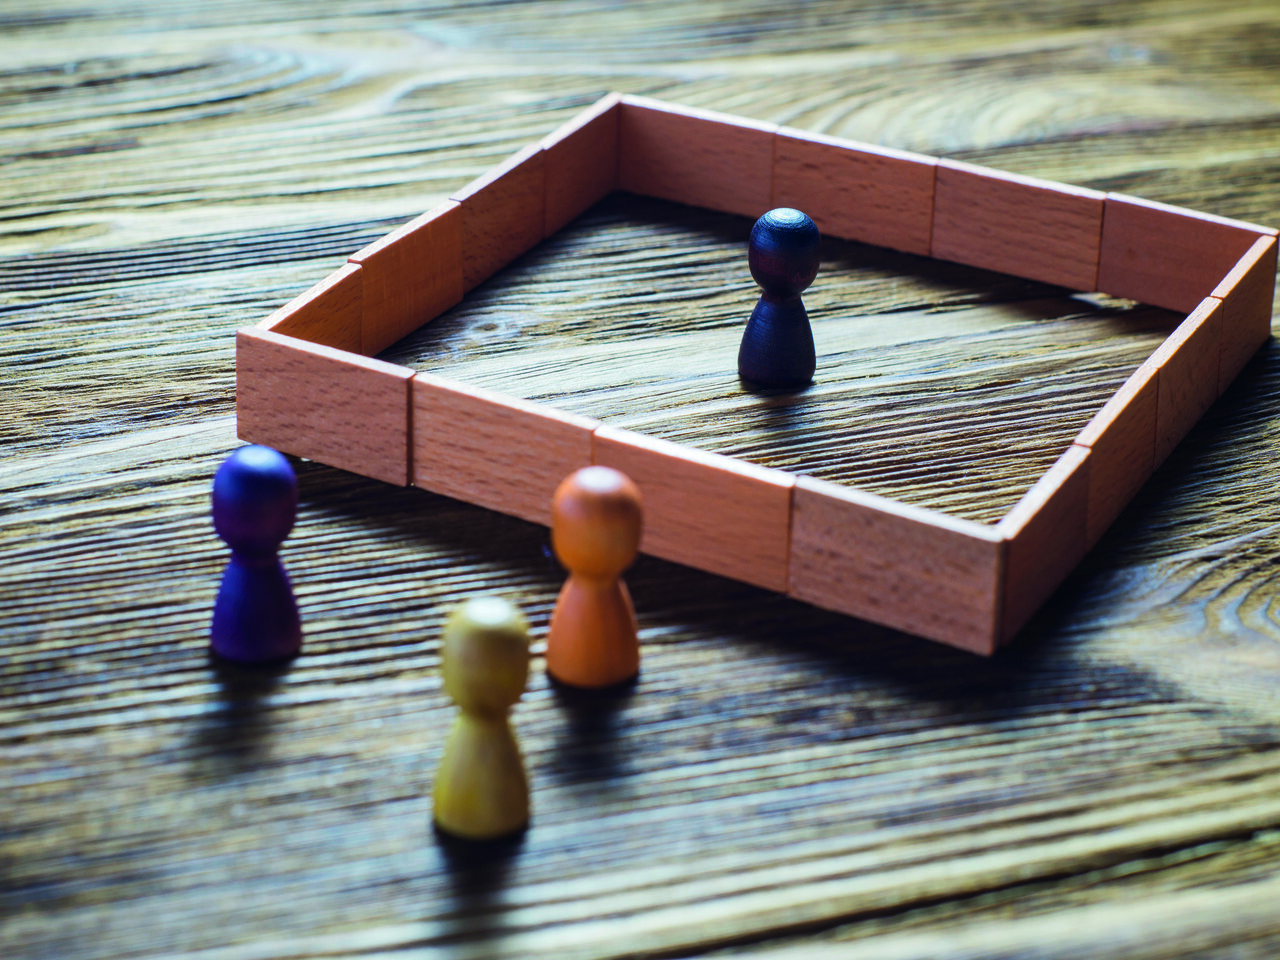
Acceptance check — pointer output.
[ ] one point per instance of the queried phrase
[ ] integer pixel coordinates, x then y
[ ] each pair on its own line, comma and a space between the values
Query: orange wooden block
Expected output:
856, 191
328, 313
1168, 256
496, 451
411, 276
712, 512
582, 162
693, 156
345, 410
1046, 531
849, 550
1020, 225
1122, 439
1247, 294
503, 214
1187, 362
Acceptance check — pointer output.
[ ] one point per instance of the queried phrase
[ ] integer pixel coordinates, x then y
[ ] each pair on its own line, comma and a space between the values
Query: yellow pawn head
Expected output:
486, 656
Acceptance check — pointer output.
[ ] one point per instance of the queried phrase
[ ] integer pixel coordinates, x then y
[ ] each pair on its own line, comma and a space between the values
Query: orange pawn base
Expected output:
593, 640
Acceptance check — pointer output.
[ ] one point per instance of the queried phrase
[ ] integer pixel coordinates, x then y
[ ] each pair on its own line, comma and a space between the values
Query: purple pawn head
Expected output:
784, 252
255, 500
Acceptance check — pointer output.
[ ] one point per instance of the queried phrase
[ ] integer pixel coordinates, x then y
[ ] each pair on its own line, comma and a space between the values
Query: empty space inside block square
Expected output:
1030, 228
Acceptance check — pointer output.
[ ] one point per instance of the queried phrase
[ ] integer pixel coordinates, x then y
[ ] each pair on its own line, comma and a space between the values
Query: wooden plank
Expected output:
329, 313
313, 401
1046, 533
411, 276
1165, 255
581, 162
1247, 293
712, 512
1187, 362
906, 567
1014, 224
855, 190
693, 156
496, 451
1122, 440
503, 214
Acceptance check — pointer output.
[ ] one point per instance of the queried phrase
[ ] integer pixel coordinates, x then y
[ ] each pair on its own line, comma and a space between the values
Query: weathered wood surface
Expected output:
781, 777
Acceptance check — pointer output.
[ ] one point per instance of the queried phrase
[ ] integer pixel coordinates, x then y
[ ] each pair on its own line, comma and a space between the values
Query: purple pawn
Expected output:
255, 503
777, 346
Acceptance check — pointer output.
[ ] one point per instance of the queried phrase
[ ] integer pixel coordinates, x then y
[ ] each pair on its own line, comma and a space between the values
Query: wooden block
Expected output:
1187, 364
693, 156
342, 409
329, 313
1168, 256
1247, 294
1020, 225
856, 191
906, 567
411, 276
1122, 440
581, 163
1046, 531
715, 513
503, 214
492, 450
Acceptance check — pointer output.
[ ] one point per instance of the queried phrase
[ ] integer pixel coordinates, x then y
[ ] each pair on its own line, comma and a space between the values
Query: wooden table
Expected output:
781, 780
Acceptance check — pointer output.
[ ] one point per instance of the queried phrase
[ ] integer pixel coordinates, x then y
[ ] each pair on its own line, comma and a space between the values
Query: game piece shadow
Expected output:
478, 872
232, 734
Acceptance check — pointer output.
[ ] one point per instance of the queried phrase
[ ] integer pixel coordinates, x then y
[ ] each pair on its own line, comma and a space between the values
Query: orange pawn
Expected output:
595, 532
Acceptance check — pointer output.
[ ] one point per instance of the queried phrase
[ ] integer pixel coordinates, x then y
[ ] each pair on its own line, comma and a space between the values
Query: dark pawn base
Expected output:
777, 346
255, 618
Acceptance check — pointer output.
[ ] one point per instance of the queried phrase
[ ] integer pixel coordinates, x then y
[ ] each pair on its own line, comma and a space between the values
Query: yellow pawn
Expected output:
481, 791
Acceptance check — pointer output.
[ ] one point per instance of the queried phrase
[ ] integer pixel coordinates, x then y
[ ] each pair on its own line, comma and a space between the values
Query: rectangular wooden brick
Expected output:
1187, 364
905, 567
1019, 225
329, 313
697, 157
411, 276
1046, 531
495, 451
856, 191
313, 401
1168, 256
503, 214
1122, 440
582, 162
1247, 293
709, 511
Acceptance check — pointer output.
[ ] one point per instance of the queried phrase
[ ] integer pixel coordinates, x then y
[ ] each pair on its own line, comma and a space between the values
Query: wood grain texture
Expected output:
329, 313
581, 162
1247, 293
503, 213
712, 512
1047, 534
1122, 441
848, 546
311, 400
781, 778
1016, 224
1187, 377
855, 190
699, 157
410, 276
1168, 256
499, 452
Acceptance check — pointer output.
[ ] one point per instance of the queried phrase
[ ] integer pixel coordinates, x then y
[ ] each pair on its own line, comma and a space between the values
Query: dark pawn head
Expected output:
784, 252
255, 500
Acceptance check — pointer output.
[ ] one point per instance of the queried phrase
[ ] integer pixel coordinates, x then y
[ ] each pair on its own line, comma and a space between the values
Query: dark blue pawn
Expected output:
255, 503
777, 346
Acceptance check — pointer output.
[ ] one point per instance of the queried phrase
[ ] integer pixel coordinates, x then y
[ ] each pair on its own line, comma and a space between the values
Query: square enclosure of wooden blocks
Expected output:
306, 386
